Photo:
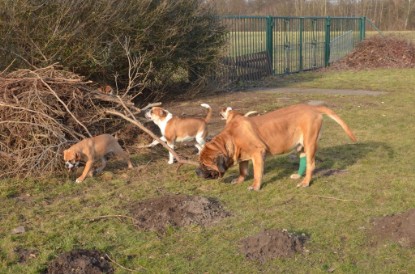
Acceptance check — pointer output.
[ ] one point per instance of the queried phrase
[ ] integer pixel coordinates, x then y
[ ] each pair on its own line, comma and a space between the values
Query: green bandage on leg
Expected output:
303, 164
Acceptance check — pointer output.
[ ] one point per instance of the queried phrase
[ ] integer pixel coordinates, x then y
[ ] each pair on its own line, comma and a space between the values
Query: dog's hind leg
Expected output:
123, 155
310, 148
103, 164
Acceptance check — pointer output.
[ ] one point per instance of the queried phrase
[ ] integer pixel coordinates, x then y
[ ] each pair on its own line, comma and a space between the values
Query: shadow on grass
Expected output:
329, 161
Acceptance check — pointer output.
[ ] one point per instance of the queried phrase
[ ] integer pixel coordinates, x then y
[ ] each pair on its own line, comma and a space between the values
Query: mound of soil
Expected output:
399, 228
177, 210
80, 261
271, 244
379, 52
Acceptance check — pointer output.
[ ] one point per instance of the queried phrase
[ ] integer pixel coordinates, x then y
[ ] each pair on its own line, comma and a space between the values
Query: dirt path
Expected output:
319, 91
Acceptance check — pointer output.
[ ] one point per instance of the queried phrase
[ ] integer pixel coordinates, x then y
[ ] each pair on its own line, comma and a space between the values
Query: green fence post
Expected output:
362, 28
301, 43
327, 43
269, 42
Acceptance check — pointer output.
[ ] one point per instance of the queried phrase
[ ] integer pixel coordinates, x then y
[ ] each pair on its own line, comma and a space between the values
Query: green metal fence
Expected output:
261, 46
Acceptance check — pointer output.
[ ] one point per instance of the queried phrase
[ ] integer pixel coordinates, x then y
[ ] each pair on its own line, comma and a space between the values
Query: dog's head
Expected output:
72, 159
224, 112
213, 164
156, 114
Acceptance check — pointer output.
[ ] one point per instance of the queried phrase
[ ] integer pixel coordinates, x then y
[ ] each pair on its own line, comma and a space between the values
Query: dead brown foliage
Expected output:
45, 110
379, 52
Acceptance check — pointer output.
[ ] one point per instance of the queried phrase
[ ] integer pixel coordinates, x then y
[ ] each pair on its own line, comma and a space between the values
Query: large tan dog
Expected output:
91, 150
276, 132
177, 129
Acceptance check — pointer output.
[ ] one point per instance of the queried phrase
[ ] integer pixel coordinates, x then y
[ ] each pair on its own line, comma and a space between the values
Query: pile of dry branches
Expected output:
379, 52
44, 111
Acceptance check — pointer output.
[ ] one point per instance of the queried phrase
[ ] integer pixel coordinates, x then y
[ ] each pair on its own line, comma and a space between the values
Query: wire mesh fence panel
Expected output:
263, 45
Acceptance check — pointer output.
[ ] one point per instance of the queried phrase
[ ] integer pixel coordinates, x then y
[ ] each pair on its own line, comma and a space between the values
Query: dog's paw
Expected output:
253, 188
303, 184
237, 181
170, 162
79, 180
295, 176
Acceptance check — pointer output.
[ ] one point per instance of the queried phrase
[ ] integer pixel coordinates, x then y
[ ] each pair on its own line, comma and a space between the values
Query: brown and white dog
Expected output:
91, 150
227, 113
176, 129
276, 132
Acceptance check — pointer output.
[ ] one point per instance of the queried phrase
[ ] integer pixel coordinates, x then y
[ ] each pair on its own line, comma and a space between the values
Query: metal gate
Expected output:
259, 46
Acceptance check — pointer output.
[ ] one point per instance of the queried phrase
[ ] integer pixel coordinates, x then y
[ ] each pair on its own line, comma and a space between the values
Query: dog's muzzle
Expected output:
148, 115
71, 166
207, 174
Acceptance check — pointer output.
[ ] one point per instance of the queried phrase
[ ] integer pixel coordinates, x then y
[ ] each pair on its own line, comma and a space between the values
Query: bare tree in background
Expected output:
386, 14
409, 11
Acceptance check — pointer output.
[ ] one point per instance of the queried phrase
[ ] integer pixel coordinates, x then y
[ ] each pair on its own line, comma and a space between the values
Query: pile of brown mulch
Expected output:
43, 112
379, 52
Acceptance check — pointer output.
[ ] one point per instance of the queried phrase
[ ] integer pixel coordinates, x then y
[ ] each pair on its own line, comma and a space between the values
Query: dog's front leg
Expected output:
155, 142
258, 162
87, 169
243, 172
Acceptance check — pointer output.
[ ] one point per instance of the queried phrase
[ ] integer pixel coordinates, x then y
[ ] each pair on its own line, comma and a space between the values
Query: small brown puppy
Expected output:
176, 129
227, 113
91, 150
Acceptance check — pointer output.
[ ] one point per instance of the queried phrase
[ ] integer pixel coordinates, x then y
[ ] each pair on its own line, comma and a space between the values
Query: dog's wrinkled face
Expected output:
72, 159
156, 113
212, 168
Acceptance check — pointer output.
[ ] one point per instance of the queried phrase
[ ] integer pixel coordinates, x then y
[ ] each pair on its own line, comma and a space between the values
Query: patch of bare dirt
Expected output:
177, 210
399, 228
271, 244
379, 52
80, 261
25, 255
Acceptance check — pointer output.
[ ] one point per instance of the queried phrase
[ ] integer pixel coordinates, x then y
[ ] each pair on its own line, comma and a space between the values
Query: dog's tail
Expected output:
338, 120
249, 113
209, 114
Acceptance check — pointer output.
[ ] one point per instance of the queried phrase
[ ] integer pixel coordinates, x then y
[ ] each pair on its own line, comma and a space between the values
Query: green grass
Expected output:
409, 35
335, 211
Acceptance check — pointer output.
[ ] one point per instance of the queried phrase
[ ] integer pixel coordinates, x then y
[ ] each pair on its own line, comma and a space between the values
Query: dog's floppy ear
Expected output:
163, 113
221, 164
78, 156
